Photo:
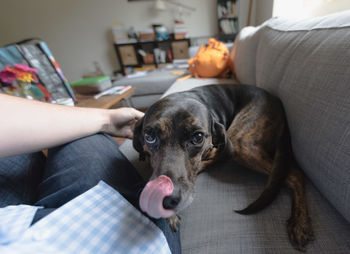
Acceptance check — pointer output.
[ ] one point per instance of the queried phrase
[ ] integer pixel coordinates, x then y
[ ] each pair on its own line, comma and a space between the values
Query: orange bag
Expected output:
210, 61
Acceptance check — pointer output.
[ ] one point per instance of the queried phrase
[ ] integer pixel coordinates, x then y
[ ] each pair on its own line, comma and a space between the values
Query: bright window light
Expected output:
308, 8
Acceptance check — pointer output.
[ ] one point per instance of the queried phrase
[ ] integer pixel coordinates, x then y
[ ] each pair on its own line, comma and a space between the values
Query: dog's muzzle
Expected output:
156, 199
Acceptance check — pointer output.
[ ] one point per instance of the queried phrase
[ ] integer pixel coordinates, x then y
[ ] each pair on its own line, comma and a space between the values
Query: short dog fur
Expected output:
185, 132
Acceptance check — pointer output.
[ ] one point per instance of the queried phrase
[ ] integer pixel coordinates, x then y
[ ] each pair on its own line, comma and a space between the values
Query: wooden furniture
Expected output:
106, 101
227, 19
156, 53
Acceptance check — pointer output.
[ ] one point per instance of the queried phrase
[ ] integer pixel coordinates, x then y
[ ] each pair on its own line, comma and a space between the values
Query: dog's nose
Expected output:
170, 202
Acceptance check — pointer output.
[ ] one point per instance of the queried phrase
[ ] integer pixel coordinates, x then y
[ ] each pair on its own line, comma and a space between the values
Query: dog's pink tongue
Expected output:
151, 199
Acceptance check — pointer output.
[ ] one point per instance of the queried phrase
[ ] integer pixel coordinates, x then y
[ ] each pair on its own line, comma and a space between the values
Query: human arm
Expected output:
28, 126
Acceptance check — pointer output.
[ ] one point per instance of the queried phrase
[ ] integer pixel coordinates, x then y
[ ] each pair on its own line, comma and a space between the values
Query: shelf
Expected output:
234, 18
227, 19
167, 50
227, 37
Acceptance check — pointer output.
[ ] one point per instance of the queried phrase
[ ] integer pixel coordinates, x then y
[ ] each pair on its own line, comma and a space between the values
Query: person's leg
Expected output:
76, 167
19, 178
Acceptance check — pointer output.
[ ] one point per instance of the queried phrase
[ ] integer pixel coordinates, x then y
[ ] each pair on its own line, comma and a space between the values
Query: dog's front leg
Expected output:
174, 221
299, 224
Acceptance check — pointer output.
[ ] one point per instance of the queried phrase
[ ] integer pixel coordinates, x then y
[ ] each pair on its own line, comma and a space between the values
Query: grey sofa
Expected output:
307, 64
149, 88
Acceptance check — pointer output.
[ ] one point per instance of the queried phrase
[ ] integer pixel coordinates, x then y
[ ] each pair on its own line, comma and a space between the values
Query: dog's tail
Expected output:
276, 178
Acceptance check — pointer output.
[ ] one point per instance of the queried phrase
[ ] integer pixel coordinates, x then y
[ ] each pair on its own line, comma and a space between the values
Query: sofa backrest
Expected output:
307, 64
244, 54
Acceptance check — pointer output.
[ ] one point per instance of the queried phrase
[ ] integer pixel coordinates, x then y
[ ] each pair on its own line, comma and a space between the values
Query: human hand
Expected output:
122, 122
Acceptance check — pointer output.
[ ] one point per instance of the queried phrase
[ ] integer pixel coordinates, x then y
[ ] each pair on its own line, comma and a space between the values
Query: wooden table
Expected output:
106, 101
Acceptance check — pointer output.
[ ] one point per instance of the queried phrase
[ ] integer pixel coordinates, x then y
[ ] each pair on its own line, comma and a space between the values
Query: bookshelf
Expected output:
227, 19
155, 53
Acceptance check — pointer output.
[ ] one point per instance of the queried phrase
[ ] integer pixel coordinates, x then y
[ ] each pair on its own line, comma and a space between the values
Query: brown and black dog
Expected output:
185, 132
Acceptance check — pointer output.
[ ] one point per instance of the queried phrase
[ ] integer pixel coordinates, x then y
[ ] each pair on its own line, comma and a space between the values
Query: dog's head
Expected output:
180, 136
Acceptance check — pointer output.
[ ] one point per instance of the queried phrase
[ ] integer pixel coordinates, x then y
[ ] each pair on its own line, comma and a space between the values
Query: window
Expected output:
308, 8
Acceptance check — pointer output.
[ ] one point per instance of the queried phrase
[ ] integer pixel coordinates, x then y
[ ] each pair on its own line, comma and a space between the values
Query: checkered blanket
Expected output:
98, 221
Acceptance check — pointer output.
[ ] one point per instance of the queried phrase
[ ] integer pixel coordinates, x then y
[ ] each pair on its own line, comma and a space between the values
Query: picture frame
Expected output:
128, 55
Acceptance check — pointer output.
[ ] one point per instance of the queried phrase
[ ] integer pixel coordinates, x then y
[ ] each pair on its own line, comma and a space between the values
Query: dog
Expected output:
183, 133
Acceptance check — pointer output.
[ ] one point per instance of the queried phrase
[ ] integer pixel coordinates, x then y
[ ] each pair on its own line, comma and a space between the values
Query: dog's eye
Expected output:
150, 138
197, 138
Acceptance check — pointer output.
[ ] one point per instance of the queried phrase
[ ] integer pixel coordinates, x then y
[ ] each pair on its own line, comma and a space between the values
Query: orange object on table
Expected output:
210, 61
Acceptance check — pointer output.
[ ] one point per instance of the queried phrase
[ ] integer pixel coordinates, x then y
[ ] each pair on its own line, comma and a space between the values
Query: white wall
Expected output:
324, 7
263, 10
308, 8
78, 32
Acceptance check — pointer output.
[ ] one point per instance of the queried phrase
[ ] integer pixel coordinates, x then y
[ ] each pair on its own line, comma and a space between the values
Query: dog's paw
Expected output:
300, 232
173, 222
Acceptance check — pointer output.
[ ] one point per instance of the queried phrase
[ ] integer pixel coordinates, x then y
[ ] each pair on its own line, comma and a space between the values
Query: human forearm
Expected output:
29, 126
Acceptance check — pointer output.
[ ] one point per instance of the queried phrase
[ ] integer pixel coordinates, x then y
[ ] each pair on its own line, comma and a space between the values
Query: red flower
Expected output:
25, 68
7, 75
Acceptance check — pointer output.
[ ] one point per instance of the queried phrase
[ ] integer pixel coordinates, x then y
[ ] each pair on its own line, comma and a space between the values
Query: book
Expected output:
113, 90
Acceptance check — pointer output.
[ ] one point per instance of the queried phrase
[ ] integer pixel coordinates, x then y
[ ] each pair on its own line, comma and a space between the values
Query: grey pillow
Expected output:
244, 55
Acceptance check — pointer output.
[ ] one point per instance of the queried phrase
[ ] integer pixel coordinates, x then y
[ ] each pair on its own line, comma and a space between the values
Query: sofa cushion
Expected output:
243, 55
154, 82
209, 225
307, 64
149, 87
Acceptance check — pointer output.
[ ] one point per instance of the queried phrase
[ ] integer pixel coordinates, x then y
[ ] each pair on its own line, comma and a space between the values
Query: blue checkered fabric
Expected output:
14, 220
98, 221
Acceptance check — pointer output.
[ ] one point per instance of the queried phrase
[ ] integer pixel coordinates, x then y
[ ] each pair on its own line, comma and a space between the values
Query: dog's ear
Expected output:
218, 134
220, 139
138, 140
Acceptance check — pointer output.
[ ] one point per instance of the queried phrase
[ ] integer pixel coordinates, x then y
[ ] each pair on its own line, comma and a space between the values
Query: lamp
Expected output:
160, 5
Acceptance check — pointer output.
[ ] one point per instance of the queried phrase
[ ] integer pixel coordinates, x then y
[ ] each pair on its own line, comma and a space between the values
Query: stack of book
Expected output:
228, 26
227, 14
146, 34
113, 90
180, 30
227, 9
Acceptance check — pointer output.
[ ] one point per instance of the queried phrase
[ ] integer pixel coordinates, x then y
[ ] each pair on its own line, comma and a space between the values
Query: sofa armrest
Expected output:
306, 64
149, 88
